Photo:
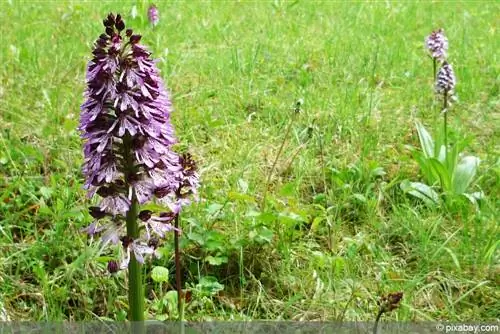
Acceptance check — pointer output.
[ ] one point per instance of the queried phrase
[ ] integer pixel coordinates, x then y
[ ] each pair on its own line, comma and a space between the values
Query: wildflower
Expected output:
390, 301
153, 15
113, 267
139, 249
445, 81
387, 304
128, 138
437, 44
159, 225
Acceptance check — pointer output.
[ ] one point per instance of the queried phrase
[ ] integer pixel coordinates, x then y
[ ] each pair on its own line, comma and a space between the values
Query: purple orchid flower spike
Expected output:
128, 137
437, 44
153, 15
445, 81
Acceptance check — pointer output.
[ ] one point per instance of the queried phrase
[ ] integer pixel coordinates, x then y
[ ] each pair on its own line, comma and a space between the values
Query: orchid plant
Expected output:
129, 156
442, 165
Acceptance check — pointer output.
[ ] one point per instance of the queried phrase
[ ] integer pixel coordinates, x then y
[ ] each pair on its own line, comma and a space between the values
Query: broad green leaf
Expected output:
267, 217
474, 197
261, 235
441, 155
441, 173
421, 191
452, 158
210, 284
193, 236
214, 208
478, 195
160, 274
425, 168
464, 174
215, 245
216, 260
426, 141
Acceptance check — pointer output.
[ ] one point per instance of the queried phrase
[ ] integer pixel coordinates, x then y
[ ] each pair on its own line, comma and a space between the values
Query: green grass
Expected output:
337, 232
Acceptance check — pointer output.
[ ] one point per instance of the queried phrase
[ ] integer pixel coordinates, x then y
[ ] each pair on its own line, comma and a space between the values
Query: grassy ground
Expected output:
336, 232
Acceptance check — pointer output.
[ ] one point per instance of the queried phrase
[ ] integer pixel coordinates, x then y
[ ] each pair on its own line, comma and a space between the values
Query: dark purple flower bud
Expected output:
109, 21
169, 216
126, 241
113, 266
162, 192
437, 44
445, 81
153, 15
120, 25
145, 215
153, 242
119, 183
134, 39
96, 212
105, 191
128, 32
111, 18
109, 31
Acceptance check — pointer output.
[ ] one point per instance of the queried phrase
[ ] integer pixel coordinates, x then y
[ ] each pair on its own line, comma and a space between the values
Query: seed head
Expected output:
390, 301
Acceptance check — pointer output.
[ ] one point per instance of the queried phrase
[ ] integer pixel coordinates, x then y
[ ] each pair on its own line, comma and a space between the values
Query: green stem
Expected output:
434, 66
375, 327
178, 281
135, 286
445, 106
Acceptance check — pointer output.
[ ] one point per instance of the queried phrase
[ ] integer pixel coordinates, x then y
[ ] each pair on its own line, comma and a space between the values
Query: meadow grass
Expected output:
337, 232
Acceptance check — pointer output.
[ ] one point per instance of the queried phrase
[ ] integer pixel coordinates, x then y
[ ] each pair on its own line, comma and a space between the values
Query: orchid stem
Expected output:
135, 286
377, 320
434, 66
178, 282
445, 106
